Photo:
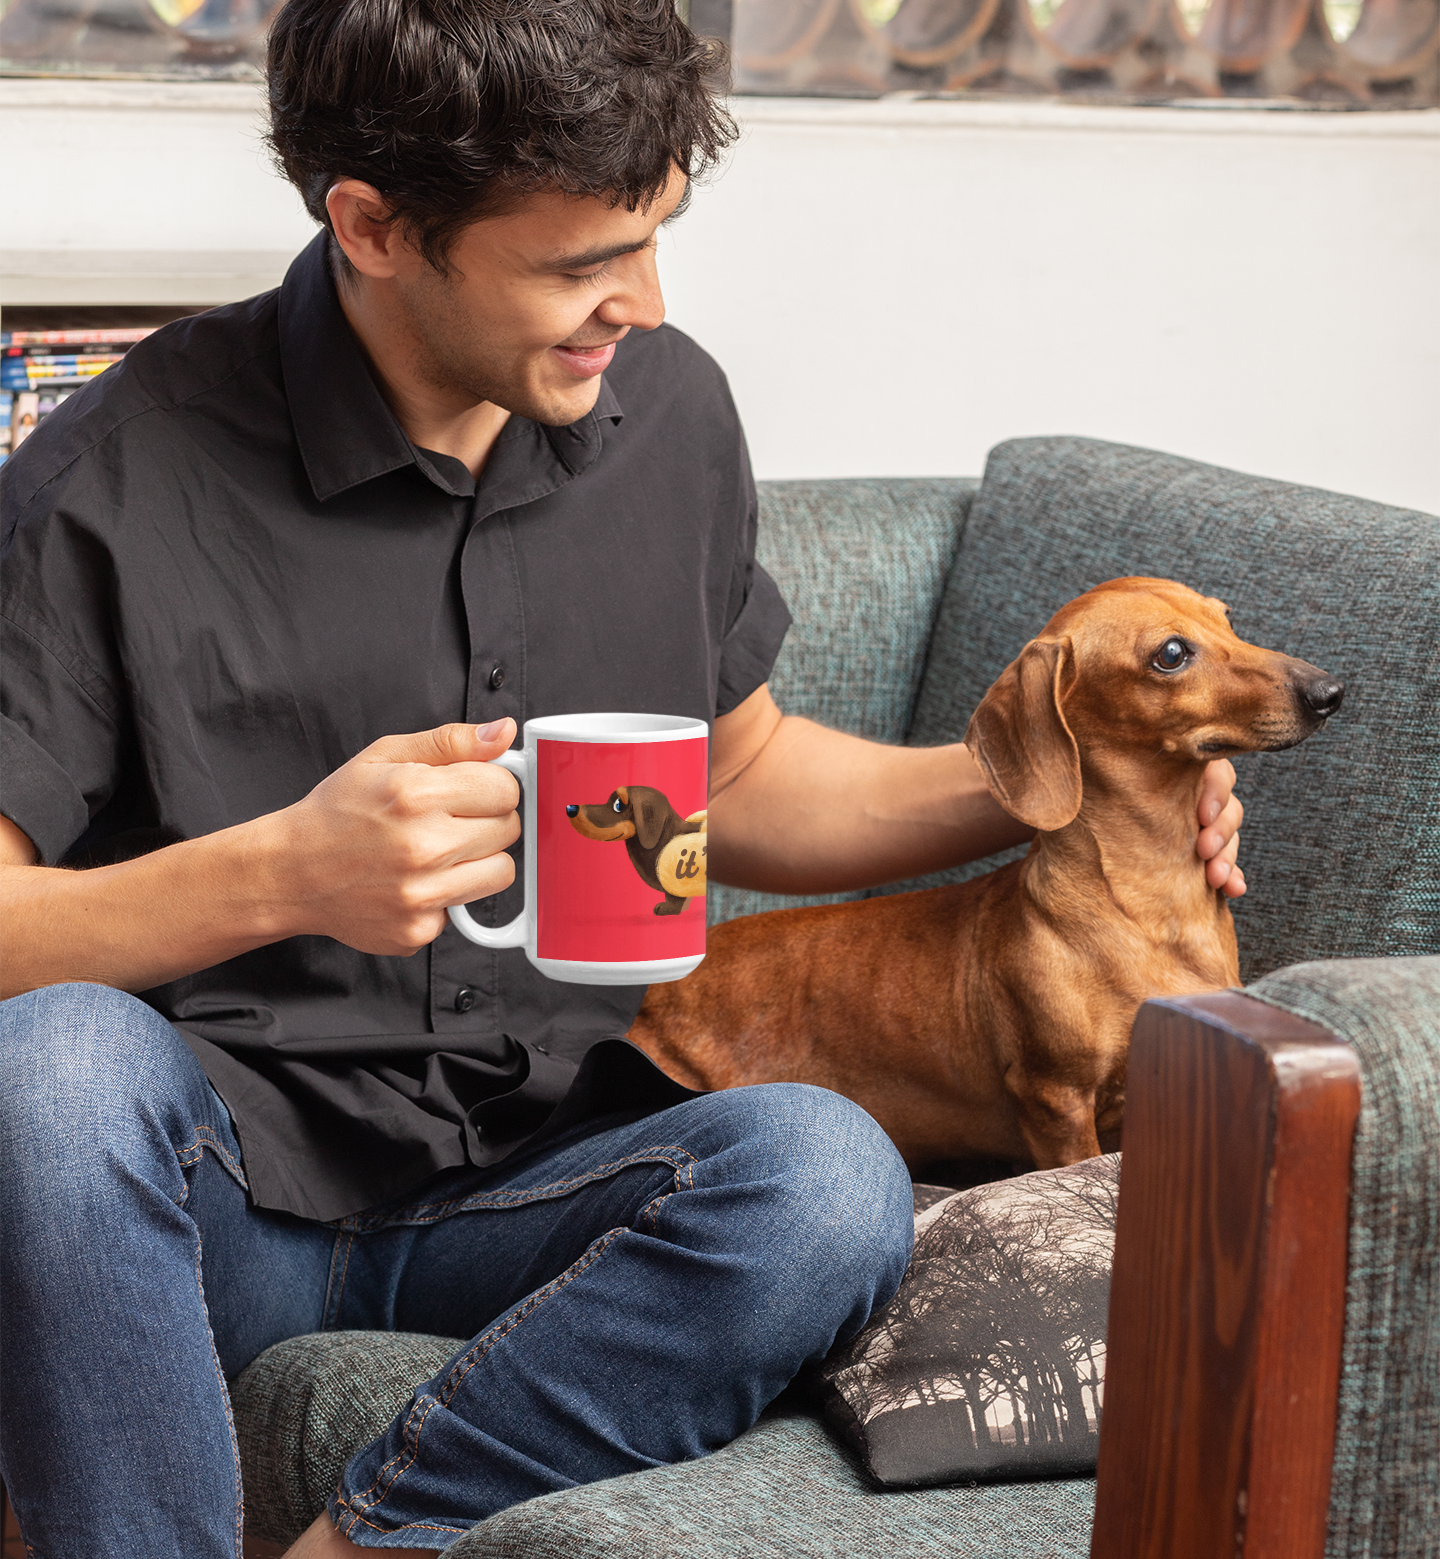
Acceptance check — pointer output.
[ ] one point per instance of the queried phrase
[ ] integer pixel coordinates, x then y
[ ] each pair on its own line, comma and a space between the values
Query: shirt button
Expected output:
497, 678
464, 999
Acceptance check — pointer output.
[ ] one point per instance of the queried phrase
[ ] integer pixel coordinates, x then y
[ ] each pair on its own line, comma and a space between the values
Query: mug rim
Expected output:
605, 726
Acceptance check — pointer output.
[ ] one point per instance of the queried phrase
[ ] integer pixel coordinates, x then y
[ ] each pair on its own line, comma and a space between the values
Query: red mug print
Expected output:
614, 816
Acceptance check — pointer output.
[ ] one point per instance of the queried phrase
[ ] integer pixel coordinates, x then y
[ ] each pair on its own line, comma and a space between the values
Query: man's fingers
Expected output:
1226, 876
445, 744
1215, 793
1221, 867
472, 880
1212, 840
473, 790
1218, 843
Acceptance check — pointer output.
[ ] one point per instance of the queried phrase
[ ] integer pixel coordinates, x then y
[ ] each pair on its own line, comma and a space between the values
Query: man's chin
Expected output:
558, 407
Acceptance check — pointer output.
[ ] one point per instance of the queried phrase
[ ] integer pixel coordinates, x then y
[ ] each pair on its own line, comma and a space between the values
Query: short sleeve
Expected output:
752, 643
58, 742
58, 716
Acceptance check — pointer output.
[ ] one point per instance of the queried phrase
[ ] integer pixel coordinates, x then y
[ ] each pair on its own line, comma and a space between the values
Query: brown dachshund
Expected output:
655, 838
992, 1018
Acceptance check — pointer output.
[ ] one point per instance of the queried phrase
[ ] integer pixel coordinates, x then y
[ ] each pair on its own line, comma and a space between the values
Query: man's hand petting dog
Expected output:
1218, 842
375, 854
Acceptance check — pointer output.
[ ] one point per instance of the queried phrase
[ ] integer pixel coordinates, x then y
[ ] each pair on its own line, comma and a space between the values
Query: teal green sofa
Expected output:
1274, 1352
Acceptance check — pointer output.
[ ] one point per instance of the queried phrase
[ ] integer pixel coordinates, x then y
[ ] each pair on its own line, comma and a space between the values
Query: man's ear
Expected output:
649, 809
1021, 741
361, 223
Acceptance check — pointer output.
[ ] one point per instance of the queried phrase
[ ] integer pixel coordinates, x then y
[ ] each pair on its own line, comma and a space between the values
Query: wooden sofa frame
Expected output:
1227, 1300
1227, 1303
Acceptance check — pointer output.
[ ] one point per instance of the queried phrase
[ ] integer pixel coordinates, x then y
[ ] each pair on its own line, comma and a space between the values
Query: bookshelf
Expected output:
48, 354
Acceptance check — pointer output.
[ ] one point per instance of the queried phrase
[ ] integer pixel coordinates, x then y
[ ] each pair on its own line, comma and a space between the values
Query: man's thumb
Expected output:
446, 744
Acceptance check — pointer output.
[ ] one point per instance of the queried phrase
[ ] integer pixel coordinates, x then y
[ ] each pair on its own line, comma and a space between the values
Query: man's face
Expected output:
535, 302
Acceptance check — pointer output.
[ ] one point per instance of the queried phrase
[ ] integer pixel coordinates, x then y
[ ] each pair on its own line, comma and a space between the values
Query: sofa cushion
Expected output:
861, 565
785, 1490
1385, 1487
307, 1405
1342, 834
990, 1360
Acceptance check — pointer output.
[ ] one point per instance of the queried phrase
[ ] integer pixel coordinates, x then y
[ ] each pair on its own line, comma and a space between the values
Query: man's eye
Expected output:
1171, 655
617, 805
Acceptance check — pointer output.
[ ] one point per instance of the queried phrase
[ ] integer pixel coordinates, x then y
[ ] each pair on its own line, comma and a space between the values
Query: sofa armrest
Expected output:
1227, 1302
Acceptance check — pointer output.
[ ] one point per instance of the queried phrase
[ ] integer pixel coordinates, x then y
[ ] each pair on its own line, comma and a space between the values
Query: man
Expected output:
453, 475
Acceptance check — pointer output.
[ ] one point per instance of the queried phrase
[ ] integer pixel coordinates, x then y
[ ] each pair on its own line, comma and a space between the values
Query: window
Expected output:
164, 38
1346, 53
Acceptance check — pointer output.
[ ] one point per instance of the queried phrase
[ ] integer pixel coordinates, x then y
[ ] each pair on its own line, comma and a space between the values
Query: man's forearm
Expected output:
818, 811
142, 922
372, 857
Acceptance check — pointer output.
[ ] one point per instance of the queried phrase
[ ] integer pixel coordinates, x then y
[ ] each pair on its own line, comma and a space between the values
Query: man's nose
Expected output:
638, 300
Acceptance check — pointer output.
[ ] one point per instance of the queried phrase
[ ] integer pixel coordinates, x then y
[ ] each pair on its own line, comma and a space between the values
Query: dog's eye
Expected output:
617, 805
1171, 655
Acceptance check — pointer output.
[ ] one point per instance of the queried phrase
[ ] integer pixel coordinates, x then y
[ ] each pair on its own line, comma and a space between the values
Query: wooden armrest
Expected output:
1227, 1303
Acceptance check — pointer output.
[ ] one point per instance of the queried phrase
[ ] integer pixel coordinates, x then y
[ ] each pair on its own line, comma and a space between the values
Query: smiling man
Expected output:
455, 473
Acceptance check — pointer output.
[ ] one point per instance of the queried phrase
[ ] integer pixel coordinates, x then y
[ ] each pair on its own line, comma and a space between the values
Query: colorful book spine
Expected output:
27, 373
114, 337
7, 405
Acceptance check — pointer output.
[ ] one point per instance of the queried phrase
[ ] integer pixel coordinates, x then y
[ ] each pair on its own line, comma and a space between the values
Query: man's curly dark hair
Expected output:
454, 108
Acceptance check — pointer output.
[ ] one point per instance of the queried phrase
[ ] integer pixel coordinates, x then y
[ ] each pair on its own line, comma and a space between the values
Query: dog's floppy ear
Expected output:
649, 809
1019, 737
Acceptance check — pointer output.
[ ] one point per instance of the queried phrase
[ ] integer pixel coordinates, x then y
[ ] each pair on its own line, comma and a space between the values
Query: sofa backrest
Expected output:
1341, 844
862, 564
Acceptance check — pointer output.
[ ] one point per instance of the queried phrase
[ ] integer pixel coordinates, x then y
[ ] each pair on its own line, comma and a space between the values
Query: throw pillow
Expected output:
989, 1363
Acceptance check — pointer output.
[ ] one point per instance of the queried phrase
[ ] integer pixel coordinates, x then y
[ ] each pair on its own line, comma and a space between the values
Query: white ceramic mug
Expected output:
615, 848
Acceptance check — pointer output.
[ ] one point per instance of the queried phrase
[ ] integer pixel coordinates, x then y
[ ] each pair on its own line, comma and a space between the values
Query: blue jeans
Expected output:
634, 1294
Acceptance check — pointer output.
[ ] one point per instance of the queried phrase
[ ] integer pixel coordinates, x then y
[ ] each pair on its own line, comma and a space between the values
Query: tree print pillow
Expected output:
990, 1361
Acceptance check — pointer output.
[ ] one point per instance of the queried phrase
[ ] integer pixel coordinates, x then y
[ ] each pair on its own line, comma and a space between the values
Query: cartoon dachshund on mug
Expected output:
667, 850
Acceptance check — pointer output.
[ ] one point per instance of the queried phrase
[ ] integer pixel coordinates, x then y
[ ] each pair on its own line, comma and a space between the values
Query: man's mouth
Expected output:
586, 361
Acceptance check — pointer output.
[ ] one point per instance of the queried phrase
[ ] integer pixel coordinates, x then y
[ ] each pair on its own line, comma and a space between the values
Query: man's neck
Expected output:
433, 418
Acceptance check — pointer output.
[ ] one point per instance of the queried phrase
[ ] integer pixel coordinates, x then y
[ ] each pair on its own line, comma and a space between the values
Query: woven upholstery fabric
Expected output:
786, 1491
1385, 1488
1342, 834
862, 565
307, 1405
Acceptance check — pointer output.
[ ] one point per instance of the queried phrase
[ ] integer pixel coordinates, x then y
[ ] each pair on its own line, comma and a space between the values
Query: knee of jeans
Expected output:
845, 1209
72, 1055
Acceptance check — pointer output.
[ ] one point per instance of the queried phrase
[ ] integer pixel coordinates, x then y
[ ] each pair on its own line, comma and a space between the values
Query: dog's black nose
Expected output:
1322, 696
572, 810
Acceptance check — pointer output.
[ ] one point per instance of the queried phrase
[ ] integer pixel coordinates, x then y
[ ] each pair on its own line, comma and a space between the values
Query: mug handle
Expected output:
513, 934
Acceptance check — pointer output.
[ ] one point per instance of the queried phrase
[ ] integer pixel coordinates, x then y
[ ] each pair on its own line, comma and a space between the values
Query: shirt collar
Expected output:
346, 432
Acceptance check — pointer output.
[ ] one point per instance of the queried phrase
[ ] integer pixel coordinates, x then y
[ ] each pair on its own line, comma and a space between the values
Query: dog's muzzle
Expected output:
1322, 696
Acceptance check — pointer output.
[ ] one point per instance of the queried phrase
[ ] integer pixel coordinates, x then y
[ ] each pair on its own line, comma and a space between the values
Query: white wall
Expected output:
894, 286
140, 192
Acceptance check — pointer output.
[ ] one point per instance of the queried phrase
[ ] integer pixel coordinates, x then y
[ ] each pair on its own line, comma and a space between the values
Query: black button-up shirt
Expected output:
227, 570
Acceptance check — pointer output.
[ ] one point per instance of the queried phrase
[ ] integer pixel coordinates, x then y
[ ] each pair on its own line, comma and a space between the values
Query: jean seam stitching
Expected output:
225, 1397
651, 1210
499, 1200
469, 1360
332, 1305
355, 1518
190, 1155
